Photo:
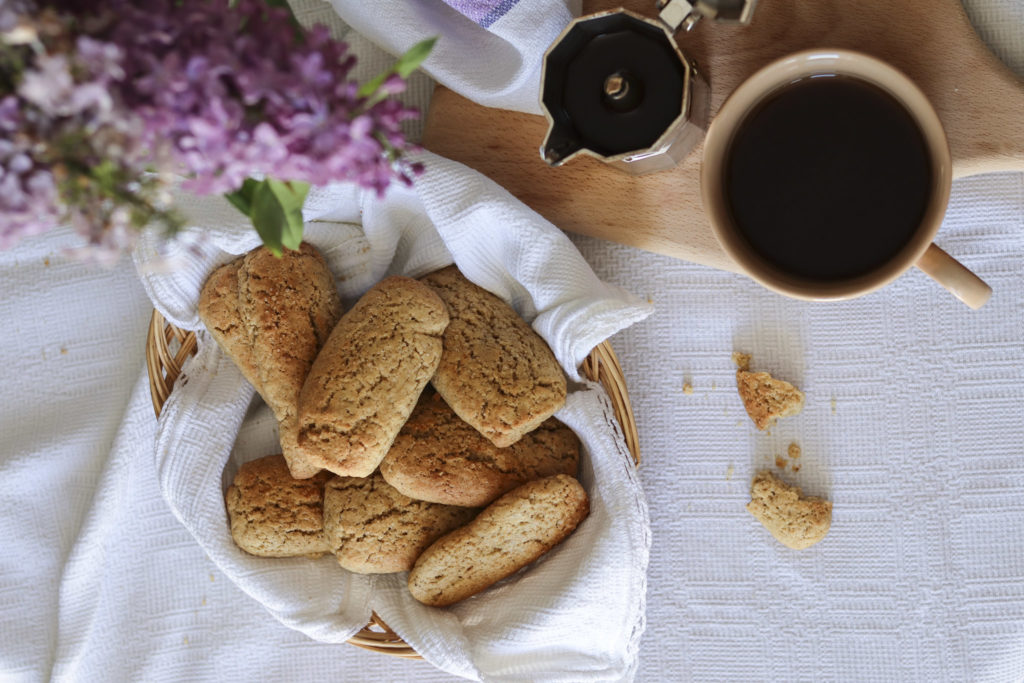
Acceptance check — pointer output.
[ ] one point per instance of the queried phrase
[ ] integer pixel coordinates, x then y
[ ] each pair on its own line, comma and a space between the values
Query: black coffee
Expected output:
828, 178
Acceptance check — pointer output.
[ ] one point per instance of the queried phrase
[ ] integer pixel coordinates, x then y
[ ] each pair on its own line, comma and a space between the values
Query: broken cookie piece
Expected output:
742, 360
795, 521
765, 398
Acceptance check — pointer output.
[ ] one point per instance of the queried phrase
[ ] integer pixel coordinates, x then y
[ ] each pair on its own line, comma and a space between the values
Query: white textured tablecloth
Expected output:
914, 427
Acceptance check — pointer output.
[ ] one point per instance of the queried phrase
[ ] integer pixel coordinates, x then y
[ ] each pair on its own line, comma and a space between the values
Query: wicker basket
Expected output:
167, 348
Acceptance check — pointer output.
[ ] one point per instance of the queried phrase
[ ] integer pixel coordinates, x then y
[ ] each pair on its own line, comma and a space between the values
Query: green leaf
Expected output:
370, 87
404, 67
291, 196
412, 59
241, 198
277, 213
106, 175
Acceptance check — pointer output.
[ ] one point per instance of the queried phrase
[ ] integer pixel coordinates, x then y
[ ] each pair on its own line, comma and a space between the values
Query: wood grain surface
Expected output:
980, 102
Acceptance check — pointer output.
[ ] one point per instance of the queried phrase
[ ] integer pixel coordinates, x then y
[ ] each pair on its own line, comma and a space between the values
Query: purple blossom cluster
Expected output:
62, 127
55, 118
28, 194
110, 102
237, 93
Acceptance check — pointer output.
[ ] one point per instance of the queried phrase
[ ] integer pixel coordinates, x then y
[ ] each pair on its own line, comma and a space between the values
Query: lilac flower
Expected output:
189, 87
28, 194
11, 12
69, 154
51, 87
236, 96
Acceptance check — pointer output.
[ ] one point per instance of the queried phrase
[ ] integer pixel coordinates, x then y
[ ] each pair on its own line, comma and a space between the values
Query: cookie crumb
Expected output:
794, 451
794, 520
46, 261
728, 472
63, 351
765, 398
833, 405
780, 462
687, 388
795, 467
742, 360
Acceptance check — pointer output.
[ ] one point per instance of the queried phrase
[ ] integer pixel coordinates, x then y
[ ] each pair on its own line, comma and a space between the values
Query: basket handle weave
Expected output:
168, 347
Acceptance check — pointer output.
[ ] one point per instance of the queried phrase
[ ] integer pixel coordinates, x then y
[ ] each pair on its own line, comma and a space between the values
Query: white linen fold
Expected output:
490, 51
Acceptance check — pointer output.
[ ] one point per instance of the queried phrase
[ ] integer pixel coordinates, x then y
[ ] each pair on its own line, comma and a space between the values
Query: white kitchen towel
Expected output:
579, 612
489, 50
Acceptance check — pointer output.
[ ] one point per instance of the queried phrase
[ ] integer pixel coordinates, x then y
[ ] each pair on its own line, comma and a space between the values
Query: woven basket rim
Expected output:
163, 364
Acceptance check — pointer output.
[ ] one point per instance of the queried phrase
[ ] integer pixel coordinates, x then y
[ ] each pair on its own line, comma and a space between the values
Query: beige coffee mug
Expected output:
918, 251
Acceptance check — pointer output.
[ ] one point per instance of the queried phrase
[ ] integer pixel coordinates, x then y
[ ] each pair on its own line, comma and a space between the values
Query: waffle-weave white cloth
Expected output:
580, 610
914, 429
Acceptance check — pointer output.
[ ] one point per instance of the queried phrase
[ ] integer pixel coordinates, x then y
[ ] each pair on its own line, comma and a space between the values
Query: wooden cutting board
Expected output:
980, 101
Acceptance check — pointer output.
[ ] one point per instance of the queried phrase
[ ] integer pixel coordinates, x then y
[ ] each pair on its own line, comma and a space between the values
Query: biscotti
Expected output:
366, 380
765, 398
272, 514
374, 529
440, 458
289, 306
496, 373
796, 521
511, 533
218, 309
271, 315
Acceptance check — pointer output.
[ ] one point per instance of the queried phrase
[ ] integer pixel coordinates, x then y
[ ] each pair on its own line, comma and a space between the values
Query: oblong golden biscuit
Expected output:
511, 533
366, 380
440, 458
496, 373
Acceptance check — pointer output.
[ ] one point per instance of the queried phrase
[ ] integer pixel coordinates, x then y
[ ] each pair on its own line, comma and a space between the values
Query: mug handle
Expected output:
954, 276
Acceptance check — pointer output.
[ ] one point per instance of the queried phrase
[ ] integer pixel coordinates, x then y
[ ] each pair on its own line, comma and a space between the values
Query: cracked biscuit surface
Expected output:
289, 306
496, 373
369, 375
372, 528
272, 315
218, 309
439, 457
796, 521
509, 534
272, 514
